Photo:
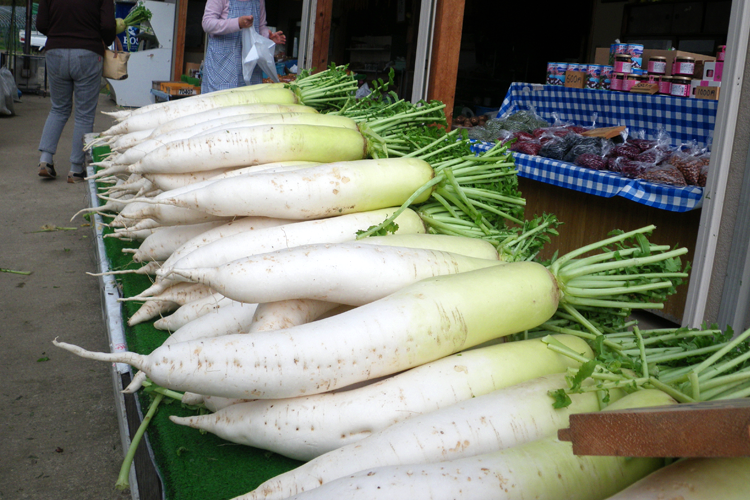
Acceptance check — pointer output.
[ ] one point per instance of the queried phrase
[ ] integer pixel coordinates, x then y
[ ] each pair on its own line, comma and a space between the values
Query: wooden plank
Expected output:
321, 37
707, 429
587, 219
179, 39
446, 47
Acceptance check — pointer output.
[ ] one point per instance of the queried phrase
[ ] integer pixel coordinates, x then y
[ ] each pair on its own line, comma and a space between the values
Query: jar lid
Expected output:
685, 59
681, 79
623, 56
657, 58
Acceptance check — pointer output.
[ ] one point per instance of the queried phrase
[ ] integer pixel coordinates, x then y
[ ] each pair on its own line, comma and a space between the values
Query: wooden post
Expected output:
446, 47
179, 39
322, 36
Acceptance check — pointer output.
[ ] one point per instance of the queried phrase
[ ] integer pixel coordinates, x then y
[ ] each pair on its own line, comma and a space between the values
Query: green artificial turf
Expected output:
193, 465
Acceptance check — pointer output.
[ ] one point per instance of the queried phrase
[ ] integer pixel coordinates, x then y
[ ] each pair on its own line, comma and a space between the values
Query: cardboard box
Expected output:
712, 70
601, 56
704, 89
176, 88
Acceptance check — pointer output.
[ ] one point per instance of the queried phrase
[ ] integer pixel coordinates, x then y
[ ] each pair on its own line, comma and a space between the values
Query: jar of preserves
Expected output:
683, 66
680, 86
623, 63
657, 65
618, 81
665, 85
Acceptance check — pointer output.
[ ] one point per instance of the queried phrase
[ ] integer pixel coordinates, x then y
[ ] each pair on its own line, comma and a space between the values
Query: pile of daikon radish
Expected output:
338, 286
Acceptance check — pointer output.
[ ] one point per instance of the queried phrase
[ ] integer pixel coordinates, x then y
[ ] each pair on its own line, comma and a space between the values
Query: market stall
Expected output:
570, 190
191, 464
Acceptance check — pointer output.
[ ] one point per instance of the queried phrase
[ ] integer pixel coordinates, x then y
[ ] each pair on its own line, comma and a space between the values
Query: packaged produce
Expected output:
690, 166
703, 176
664, 174
657, 65
587, 145
591, 160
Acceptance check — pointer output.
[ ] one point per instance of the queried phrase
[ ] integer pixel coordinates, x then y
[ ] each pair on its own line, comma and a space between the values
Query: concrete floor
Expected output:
59, 436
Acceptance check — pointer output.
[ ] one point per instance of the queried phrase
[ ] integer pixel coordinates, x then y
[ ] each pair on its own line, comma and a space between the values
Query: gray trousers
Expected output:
74, 74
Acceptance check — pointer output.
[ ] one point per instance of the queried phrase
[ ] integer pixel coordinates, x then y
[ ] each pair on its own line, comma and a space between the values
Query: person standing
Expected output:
77, 32
223, 20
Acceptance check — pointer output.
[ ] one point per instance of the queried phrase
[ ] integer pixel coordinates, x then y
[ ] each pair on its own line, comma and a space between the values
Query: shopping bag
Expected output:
8, 92
115, 62
257, 50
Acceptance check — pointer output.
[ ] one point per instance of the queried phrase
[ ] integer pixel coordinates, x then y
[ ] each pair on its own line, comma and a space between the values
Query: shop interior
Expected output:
502, 42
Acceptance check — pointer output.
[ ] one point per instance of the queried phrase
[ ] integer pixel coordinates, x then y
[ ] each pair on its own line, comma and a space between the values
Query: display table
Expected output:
592, 203
173, 462
685, 120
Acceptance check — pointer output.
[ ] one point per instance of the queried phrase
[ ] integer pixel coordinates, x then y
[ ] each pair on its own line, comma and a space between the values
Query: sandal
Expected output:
75, 177
47, 170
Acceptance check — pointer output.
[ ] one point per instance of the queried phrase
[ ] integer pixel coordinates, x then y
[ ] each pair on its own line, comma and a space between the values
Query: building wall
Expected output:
737, 168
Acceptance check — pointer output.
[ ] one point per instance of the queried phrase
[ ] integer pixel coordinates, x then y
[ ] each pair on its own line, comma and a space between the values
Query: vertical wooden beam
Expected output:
446, 47
179, 39
322, 36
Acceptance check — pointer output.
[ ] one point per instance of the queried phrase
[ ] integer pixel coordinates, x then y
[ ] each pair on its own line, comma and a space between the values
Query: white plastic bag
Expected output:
257, 50
8, 92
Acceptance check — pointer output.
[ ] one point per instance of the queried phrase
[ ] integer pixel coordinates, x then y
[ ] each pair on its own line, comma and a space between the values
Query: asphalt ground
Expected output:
59, 434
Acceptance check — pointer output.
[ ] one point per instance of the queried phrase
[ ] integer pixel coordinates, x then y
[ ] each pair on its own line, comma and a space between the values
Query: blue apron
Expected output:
222, 68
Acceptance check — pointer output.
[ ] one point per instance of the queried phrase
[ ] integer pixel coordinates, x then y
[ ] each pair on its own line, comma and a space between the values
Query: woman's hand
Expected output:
245, 21
279, 37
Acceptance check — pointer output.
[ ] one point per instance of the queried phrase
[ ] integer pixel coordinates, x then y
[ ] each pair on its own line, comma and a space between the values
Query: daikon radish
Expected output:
489, 422
139, 151
545, 469
246, 243
319, 272
192, 310
462, 245
308, 426
313, 193
251, 146
693, 479
228, 113
162, 244
288, 313
162, 115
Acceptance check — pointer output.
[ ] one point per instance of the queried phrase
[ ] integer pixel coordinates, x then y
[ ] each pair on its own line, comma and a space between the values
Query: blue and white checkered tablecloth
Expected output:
684, 119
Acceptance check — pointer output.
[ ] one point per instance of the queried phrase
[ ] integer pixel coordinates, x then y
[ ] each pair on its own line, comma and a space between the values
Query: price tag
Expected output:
710, 93
575, 79
645, 88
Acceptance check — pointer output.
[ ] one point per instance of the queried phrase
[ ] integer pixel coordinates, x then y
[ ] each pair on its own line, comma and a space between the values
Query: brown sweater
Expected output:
77, 24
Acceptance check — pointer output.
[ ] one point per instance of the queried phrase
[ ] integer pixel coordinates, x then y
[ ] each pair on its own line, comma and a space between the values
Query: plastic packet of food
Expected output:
633, 169
664, 174
527, 147
703, 176
690, 166
598, 146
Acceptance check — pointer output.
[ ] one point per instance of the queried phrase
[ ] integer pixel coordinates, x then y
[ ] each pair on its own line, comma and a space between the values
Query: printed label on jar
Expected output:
680, 89
616, 82
623, 67
665, 86
683, 68
657, 67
